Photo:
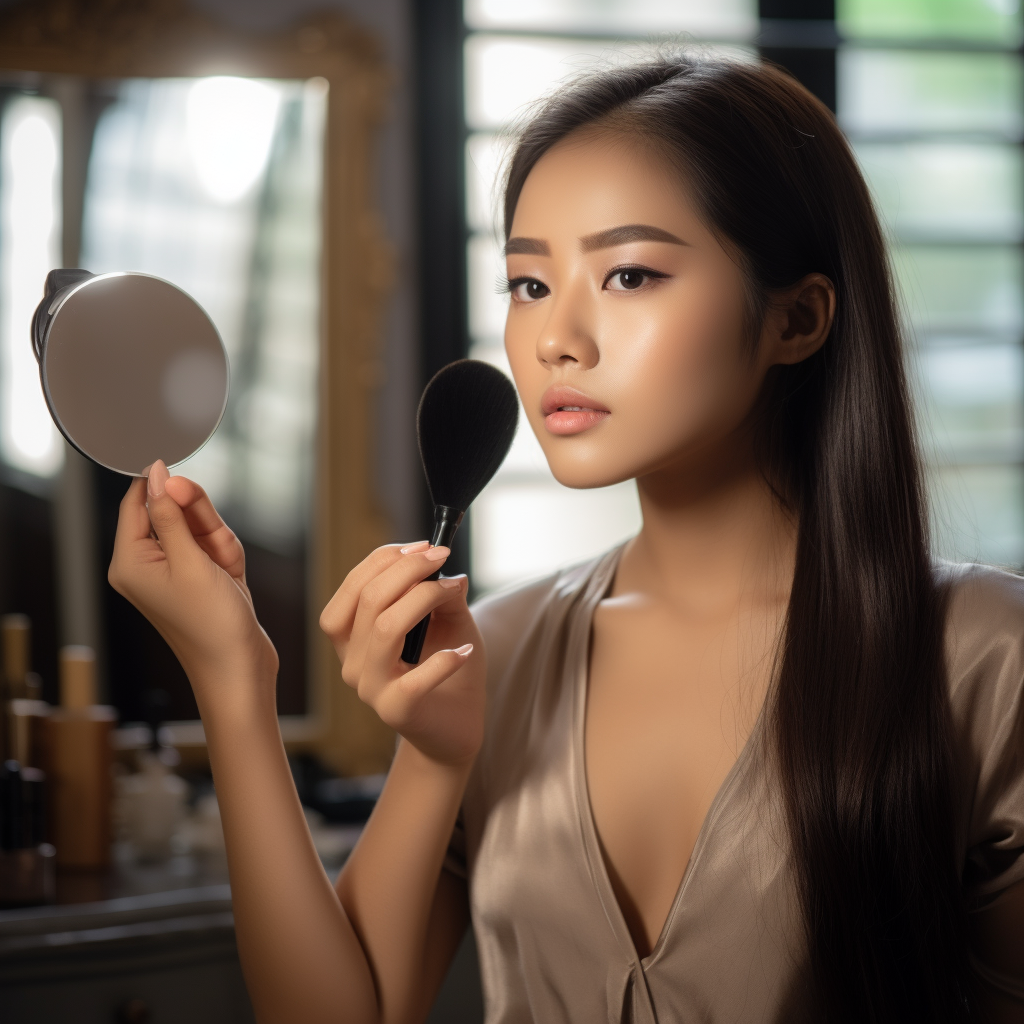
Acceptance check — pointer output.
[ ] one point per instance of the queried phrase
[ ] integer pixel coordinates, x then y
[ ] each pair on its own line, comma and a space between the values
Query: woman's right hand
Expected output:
183, 568
437, 705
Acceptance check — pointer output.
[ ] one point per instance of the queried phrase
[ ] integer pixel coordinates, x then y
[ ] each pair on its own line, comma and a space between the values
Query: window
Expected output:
931, 93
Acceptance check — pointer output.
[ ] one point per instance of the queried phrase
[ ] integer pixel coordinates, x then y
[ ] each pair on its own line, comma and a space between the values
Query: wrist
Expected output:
235, 696
419, 763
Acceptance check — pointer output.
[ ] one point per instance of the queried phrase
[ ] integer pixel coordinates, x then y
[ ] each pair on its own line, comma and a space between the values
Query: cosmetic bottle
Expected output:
26, 861
78, 759
23, 708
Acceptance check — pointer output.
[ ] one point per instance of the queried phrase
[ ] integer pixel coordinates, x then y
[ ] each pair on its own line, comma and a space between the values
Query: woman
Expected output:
763, 762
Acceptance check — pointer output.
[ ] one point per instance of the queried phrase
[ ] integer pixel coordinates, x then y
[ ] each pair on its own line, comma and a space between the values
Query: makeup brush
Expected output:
466, 421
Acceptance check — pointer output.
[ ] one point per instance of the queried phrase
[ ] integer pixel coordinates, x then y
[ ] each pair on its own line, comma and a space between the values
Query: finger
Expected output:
166, 515
385, 589
133, 520
133, 540
212, 534
380, 655
427, 676
337, 617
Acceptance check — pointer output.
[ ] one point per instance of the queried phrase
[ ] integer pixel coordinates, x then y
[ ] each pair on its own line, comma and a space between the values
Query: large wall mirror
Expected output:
141, 136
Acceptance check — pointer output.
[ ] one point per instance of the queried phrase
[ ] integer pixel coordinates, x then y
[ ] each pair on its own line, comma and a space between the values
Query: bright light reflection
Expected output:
230, 126
31, 227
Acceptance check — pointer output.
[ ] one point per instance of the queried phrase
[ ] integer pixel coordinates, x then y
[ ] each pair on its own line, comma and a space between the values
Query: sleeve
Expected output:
985, 658
987, 679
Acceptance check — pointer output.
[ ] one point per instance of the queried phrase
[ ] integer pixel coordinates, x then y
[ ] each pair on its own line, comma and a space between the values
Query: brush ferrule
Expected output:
446, 522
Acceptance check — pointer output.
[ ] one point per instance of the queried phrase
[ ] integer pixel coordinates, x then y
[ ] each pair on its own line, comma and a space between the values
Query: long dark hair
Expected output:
859, 710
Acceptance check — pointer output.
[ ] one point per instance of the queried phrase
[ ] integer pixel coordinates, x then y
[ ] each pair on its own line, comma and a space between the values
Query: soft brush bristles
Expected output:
466, 421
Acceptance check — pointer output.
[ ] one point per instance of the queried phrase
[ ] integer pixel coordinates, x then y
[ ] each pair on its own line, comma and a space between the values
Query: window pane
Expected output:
504, 74
487, 303
939, 190
721, 19
553, 526
971, 401
995, 21
962, 289
483, 163
978, 513
908, 91
30, 247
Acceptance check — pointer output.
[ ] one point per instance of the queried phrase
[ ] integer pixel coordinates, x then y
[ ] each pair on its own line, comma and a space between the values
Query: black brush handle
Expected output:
446, 522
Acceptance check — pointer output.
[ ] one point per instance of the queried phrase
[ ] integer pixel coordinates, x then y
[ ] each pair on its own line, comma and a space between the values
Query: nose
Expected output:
566, 337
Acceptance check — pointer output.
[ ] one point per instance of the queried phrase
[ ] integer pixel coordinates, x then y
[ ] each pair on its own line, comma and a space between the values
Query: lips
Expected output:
568, 411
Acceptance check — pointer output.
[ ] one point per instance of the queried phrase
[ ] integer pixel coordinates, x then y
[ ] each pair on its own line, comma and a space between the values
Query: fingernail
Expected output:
420, 545
451, 582
158, 476
465, 650
438, 554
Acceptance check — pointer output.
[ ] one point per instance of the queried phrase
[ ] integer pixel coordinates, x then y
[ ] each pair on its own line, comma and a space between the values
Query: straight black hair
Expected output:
859, 712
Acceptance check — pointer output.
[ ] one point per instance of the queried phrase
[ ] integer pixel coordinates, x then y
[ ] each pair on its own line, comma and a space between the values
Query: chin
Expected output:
587, 474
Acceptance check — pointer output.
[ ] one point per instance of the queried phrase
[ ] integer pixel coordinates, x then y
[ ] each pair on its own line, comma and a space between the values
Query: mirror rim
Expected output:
169, 39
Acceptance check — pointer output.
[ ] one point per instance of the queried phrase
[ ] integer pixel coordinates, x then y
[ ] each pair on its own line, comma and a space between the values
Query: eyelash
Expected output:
508, 286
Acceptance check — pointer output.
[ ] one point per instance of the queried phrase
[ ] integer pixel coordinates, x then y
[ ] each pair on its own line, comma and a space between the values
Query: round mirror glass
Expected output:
132, 368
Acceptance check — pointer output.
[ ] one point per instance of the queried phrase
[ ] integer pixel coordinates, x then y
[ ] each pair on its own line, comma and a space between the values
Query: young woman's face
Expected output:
626, 326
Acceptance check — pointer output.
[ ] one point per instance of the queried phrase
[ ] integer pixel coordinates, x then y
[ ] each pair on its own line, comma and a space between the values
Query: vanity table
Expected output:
153, 945
135, 944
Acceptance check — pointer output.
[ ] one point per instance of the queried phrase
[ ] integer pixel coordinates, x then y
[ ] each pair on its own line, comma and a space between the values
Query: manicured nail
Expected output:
465, 650
158, 476
451, 582
420, 545
438, 554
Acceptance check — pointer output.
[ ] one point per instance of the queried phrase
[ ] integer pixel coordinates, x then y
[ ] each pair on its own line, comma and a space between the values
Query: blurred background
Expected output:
215, 182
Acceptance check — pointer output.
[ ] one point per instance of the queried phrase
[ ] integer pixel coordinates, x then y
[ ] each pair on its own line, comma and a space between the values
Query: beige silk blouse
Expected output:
553, 944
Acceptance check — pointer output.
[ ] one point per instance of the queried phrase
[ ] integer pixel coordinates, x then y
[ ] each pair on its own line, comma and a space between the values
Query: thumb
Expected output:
165, 514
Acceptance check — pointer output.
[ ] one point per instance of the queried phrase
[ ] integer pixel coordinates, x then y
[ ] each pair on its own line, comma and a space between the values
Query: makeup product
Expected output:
466, 421
26, 861
78, 762
151, 803
22, 707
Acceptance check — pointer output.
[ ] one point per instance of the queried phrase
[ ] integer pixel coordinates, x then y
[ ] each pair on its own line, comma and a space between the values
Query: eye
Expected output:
527, 289
629, 279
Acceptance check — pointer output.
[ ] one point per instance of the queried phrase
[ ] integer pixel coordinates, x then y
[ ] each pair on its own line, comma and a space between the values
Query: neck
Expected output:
714, 535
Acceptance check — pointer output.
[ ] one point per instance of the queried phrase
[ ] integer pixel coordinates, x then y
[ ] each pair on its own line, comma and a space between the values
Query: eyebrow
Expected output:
627, 233
527, 247
599, 240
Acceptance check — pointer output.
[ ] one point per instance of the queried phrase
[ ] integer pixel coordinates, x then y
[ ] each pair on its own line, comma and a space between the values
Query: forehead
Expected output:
591, 182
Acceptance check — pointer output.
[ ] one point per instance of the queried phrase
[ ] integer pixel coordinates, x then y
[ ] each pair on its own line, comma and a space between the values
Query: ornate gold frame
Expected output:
165, 38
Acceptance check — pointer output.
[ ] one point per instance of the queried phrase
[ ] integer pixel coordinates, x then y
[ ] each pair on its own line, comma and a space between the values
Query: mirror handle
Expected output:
56, 281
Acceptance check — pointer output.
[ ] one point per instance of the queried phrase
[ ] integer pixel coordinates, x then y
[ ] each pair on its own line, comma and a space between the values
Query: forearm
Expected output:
300, 955
389, 887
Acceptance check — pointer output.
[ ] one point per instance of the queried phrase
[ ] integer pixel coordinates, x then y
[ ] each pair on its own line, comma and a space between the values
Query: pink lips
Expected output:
568, 411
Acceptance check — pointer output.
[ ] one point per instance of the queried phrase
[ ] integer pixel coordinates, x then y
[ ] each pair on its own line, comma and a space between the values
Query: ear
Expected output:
799, 320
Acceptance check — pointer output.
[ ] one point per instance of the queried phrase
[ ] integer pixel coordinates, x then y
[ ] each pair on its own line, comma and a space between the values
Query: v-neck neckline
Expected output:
578, 667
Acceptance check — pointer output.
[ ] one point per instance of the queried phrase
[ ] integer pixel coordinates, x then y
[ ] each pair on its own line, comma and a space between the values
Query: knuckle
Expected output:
349, 674
383, 629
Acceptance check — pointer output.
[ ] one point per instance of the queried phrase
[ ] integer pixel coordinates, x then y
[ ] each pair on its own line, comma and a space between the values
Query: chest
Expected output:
670, 704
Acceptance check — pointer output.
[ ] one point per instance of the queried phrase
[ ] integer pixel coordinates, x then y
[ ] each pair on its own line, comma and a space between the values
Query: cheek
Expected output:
684, 372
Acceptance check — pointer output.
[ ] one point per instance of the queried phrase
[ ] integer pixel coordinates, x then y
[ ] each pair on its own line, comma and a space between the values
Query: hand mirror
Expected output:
132, 368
